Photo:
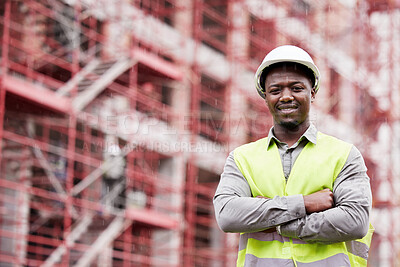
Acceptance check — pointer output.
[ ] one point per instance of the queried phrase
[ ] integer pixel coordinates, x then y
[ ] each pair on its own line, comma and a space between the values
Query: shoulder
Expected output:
325, 138
331, 145
354, 152
355, 158
249, 147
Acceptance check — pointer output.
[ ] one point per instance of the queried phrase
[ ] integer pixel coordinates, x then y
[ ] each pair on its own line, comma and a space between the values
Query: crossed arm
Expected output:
323, 217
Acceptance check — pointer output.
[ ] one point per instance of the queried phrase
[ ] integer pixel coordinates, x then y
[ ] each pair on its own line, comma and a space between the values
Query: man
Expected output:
298, 197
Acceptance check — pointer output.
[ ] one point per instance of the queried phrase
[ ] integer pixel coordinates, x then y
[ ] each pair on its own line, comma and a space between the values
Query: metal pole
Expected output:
71, 139
4, 67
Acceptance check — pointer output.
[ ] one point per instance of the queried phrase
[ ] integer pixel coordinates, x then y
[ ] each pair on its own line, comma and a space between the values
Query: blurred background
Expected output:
116, 117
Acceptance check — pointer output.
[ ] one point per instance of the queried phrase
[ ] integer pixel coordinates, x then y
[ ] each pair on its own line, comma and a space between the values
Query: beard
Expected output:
290, 125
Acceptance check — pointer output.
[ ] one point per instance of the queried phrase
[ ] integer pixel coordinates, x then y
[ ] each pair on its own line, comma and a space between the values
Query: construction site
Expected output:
116, 118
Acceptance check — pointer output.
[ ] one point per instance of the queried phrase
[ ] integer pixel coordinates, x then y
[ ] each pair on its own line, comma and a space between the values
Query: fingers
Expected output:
329, 196
319, 201
327, 190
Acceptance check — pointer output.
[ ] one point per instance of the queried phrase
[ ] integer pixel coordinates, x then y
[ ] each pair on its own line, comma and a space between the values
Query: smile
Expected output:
287, 108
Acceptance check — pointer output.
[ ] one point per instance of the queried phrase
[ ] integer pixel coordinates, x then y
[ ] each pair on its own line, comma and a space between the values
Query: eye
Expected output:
297, 88
274, 90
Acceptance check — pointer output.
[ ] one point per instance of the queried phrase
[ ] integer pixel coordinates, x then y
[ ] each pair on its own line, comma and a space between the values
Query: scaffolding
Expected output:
116, 118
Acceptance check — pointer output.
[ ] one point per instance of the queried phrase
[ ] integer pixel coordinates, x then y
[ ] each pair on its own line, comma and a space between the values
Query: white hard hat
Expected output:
286, 53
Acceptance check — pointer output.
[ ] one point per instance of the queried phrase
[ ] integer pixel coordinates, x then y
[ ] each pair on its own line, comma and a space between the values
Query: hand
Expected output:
318, 201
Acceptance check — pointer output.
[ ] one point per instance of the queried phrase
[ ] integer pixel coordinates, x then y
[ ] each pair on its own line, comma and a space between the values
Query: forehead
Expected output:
288, 71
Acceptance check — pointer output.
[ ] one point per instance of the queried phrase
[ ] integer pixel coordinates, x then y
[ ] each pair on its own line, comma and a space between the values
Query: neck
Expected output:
289, 135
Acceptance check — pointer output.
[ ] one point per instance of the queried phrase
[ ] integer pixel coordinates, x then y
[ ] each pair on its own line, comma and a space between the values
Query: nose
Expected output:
286, 95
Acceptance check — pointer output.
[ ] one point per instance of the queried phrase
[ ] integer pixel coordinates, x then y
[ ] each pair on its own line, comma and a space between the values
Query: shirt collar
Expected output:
310, 134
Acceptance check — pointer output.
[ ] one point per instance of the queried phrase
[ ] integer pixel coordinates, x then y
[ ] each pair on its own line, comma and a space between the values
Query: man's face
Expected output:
288, 94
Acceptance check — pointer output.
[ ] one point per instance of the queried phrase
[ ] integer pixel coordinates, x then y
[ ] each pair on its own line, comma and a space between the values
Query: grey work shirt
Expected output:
237, 211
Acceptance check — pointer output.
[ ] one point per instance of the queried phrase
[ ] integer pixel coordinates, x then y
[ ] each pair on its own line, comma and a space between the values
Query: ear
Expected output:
313, 95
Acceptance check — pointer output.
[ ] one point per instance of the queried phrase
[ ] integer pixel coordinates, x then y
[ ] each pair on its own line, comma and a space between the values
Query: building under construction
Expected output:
116, 118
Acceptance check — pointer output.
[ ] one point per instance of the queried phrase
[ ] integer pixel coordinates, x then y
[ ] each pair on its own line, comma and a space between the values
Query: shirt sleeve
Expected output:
349, 219
236, 210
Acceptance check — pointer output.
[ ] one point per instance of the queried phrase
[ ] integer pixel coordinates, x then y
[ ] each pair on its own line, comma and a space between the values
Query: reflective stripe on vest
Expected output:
335, 260
316, 168
358, 249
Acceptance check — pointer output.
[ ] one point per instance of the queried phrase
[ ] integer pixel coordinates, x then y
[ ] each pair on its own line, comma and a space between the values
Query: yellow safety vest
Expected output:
316, 168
